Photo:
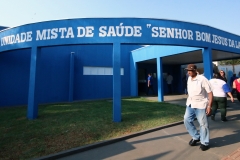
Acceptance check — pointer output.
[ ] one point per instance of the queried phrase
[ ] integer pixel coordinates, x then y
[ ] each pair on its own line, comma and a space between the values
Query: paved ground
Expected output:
171, 142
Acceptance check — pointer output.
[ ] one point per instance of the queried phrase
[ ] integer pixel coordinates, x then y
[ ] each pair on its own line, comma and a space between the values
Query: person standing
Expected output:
198, 106
233, 78
169, 80
150, 84
220, 88
223, 76
236, 86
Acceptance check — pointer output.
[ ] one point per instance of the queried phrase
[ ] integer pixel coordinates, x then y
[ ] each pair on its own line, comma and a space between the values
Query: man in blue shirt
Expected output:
150, 84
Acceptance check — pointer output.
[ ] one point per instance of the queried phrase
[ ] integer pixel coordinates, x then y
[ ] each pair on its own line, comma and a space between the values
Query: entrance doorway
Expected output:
142, 81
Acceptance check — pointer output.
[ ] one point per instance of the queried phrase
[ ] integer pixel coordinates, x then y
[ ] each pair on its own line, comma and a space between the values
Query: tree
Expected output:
232, 62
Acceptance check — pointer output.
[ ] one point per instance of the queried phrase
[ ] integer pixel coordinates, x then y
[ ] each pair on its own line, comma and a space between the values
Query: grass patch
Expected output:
64, 126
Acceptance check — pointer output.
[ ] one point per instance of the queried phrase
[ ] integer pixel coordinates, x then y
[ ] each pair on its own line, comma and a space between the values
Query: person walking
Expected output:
236, 86
150, 84
220, 88
198, 106
223, 77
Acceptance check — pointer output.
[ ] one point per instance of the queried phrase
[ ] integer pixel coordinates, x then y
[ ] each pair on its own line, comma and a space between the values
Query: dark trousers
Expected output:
170, 88
150, 87
238, 95
221, 103
234, 91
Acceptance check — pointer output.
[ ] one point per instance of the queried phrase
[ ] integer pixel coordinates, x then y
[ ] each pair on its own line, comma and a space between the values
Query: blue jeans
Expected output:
200, 114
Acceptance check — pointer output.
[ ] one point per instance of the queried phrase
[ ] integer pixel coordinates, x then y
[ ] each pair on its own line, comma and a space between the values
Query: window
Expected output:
100, 71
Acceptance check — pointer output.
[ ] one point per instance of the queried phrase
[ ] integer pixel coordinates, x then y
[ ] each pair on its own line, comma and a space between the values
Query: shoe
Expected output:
203, 147
213, 117
193, 142
224, 120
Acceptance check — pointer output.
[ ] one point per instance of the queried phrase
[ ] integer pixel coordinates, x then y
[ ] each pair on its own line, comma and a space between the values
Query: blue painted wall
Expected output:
55, 66
90, 86
96, 87
125, 59
14, 73
53, 75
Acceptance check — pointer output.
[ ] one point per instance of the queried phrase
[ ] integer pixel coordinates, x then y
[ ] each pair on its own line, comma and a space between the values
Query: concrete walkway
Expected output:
170, 142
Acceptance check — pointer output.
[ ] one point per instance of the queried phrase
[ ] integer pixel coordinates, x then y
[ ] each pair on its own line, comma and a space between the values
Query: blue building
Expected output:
97, 58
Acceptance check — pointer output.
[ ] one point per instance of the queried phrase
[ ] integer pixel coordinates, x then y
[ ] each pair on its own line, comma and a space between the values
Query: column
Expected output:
133, 77
116, 82
32, 110
71, 77
160, 79
207, 63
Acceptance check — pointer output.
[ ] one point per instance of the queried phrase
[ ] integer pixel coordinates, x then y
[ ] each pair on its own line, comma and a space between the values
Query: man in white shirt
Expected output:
169, 80
198, 106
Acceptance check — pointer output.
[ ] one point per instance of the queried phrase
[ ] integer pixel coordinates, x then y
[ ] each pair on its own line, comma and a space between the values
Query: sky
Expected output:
220, 14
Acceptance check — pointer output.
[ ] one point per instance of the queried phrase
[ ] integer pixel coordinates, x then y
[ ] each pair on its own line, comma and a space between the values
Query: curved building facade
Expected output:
96, 58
